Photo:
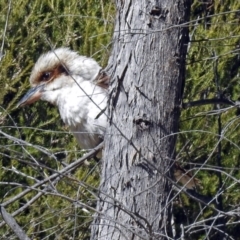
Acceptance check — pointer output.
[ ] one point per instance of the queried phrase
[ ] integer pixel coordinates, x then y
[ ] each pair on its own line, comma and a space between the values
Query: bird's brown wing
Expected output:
102, 80
185, 177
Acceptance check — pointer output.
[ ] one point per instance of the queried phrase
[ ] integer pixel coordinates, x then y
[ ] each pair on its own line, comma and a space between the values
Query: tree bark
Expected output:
147, 69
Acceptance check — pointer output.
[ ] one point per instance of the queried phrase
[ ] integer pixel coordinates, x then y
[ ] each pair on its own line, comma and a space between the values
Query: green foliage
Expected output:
34, 143
209, 138
41, 142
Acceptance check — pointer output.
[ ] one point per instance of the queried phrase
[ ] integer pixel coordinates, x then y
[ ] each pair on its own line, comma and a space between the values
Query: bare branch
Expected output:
11, 222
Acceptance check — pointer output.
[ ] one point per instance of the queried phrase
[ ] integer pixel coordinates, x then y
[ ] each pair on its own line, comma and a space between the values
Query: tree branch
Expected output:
210, 101
11, 222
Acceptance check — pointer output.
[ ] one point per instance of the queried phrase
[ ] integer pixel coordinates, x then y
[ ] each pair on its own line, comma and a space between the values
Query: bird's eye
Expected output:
46, 76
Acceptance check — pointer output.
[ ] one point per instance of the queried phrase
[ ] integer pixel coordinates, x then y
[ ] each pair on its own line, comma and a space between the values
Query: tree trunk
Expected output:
147, 69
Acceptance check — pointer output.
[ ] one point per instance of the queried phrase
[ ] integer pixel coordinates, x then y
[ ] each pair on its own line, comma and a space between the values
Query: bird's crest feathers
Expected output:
63, 60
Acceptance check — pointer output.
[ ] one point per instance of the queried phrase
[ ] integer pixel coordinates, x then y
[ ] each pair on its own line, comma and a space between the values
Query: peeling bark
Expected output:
147, 68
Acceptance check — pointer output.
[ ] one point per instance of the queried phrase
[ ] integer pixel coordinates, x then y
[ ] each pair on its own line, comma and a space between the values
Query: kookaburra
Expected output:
78, 87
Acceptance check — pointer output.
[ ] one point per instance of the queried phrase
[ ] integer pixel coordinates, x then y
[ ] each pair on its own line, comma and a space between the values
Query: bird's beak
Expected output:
33, 95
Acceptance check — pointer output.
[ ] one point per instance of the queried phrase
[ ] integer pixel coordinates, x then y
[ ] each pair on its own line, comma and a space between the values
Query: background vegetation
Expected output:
34, 27
209, 135
34, 143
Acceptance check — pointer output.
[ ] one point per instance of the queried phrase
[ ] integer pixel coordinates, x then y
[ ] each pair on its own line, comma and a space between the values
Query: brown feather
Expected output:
102, 80
185, 177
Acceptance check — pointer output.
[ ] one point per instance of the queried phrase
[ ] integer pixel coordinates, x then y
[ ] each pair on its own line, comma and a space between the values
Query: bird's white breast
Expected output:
79, 107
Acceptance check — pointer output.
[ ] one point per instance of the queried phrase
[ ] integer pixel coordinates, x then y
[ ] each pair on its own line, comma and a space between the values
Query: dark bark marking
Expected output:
142, 93
119, 86
142, 123
145, 166
158, 12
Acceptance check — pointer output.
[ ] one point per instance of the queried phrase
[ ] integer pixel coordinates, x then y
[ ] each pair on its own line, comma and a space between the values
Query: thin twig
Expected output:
5, 29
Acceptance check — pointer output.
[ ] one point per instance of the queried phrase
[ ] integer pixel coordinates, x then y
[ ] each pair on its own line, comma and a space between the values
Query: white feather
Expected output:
78, 99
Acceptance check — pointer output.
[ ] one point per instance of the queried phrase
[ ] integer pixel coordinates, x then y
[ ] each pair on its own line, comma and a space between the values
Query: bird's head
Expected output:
56, 70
